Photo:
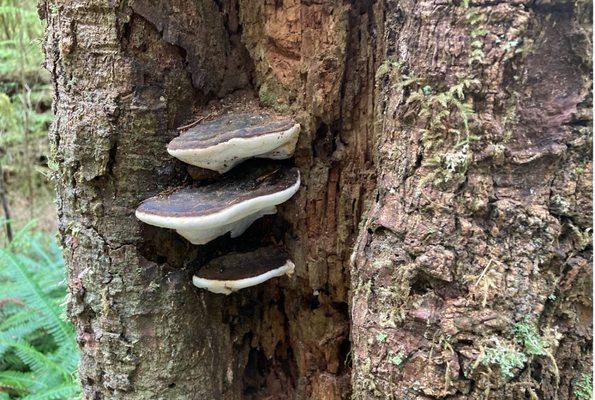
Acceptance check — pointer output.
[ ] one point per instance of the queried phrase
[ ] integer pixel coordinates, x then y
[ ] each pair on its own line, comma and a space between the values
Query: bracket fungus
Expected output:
232, 204
236, 271
227, 141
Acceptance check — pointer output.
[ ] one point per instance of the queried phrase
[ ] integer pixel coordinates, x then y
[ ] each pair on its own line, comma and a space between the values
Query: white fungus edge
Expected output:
202, 236
228, 287
224, 156
202, 229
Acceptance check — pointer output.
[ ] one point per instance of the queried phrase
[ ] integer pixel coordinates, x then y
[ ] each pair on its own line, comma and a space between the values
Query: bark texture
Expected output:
126, 75
481, 227
450, 143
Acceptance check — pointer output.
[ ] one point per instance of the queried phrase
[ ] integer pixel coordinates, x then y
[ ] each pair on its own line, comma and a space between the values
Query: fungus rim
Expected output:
233, 213
223, 156
233, 285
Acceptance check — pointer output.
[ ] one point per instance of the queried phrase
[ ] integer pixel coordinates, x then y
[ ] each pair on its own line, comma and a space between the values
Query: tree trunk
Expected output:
446, 164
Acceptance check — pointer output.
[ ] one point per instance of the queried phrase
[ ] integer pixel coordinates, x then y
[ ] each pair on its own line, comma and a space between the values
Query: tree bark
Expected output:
445, 160
476, 230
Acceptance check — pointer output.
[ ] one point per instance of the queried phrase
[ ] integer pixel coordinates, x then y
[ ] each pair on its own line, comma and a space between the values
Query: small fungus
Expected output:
236, 271
221, 144
232, 204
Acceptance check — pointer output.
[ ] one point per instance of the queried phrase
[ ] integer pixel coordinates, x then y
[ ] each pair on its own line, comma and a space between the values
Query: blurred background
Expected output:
25, 116
38, 353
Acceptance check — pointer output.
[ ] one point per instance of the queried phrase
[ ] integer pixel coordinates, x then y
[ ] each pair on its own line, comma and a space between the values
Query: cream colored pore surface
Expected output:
236, 218
224, 156
227, 287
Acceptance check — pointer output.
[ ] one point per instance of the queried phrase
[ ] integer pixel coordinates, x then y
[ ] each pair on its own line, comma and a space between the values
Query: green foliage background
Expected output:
38, 352
25, 115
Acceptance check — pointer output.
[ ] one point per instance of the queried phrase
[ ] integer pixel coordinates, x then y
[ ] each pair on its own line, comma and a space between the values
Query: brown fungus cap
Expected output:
225, 142
201, 213
236, 271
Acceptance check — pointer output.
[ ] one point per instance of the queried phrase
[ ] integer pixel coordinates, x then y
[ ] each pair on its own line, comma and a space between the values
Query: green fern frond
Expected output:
15, 319
65, 391
38, 353
34, 296
34, 359
16, 380
67, 358
17, 333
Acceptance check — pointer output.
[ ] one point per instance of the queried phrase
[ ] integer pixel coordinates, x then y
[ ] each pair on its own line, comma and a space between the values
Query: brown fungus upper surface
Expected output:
223, 129
202, 200
237, 266
222, 143
236, 271
231, 204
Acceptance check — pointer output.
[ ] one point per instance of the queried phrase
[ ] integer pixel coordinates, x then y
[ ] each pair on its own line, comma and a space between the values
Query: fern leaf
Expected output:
36, 360
65, 391
35, 297
18, 332
16, 380
38, 353
42, 254
67, 358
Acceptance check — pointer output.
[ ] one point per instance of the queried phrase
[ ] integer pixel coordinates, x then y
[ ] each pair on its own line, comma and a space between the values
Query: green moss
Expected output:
269, 98
584, 237
583, 389
265, 96
396, 359
506, 358
387, 67
527, 335
381, 337
382, 70
447, 116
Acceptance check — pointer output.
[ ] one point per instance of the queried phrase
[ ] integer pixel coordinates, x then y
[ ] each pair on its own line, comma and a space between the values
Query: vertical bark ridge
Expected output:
466, 247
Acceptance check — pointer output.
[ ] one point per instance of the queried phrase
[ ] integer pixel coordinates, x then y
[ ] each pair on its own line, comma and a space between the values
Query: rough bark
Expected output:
469, 237
126, 75
451, 247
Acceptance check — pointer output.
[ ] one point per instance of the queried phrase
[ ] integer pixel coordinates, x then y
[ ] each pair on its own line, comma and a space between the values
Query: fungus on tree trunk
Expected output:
236, 271
223, 143
203, 213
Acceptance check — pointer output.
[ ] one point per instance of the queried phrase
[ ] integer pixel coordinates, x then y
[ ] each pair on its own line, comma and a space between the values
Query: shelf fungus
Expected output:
232, 204
237, 271
221, 144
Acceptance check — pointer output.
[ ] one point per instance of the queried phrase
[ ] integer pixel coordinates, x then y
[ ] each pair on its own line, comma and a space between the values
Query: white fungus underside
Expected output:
224, 156
227, 287
202, 236
235, 219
